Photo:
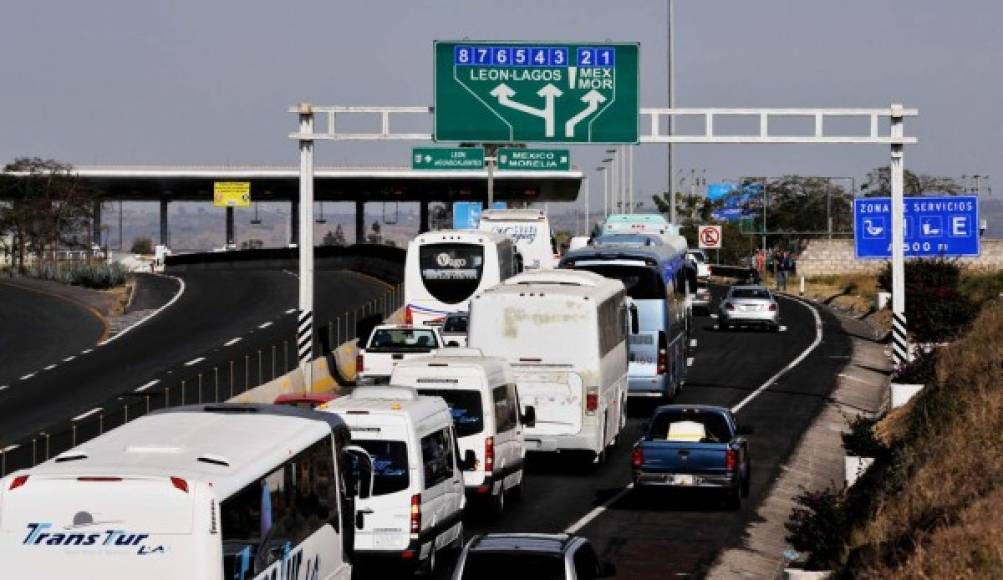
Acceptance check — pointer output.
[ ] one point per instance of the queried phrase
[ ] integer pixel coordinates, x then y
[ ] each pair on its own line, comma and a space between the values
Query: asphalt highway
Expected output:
664, 535
38, 328
223, 316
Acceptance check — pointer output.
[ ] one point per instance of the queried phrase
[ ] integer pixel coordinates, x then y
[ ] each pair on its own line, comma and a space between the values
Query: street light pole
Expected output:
670, 86
304, 328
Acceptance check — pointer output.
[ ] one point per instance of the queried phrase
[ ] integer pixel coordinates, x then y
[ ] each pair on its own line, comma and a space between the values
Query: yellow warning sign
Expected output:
231, 193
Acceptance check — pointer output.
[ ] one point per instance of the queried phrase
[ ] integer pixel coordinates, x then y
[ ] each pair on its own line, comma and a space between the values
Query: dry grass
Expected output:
940, 520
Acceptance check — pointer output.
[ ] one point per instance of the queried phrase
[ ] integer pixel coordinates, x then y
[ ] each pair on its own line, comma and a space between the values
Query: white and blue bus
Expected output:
657, 278
209, 492
445, 268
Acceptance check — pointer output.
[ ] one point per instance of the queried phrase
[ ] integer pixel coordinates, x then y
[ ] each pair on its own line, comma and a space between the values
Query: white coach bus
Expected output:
445, 268
564, 333
530, 230
214, 492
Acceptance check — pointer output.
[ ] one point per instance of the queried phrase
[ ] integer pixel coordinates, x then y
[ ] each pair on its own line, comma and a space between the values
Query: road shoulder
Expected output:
817, 460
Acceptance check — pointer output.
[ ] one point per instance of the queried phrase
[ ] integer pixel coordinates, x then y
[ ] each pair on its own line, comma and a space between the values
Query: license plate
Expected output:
683, 479
641, 339
532, 444
750, 308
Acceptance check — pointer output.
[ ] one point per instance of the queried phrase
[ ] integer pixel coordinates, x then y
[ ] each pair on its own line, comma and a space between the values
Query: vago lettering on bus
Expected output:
497, 92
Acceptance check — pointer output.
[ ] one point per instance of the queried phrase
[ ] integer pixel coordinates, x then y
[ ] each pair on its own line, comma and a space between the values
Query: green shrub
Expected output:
99, 276
936, 311
860, 440
816, 527
982, 287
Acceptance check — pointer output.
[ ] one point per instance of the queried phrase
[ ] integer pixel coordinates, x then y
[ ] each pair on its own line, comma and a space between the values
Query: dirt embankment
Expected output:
933, 510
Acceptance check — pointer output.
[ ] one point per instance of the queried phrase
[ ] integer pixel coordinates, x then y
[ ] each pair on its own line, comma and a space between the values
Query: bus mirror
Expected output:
529, 416
360, 471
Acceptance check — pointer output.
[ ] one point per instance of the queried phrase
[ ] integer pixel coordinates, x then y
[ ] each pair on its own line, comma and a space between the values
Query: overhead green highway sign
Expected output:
447, 158
497, 92
534, 159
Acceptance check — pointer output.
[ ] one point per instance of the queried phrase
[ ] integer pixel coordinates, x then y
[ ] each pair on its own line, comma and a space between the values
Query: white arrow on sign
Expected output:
549, 92
592, 99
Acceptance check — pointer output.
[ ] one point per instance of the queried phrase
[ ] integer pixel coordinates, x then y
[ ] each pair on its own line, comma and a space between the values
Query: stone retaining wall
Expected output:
828, 257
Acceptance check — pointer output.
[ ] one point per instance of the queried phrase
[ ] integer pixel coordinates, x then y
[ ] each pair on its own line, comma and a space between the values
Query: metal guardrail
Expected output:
216, 384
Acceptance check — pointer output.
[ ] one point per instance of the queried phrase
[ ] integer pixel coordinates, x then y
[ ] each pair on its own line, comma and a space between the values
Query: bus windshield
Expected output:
451, 272
642, 282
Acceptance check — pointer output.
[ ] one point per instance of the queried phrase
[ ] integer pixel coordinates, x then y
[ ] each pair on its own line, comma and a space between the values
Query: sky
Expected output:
197, 82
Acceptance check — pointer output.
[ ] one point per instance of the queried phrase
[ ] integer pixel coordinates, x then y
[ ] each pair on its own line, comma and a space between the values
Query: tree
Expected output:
375, 233
337, 238
48, 207
879, 183
142, 246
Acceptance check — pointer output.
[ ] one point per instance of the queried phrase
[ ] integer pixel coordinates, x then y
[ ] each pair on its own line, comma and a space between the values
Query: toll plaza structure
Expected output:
360, 185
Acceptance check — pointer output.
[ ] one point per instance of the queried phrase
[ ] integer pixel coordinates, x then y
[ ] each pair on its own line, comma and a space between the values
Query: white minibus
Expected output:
416, 507
482, 398
205, 492
564, 333
530, 230
445, 268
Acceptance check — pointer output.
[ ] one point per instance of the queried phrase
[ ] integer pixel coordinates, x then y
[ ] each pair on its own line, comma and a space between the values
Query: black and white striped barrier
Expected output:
900, 346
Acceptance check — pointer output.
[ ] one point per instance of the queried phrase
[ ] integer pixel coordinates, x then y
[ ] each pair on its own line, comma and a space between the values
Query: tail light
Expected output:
730, 459
592, 400
416, 513
663, 354
637, 458
773, 307
729, 306
180, 484
408, 315
359, 363
18, 482
489, 454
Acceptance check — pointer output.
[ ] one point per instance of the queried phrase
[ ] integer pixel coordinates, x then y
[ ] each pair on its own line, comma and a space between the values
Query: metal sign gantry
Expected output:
654, 125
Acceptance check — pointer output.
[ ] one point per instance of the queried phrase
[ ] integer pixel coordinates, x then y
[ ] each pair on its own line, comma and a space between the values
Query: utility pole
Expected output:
670, 40
489, 157
900, 345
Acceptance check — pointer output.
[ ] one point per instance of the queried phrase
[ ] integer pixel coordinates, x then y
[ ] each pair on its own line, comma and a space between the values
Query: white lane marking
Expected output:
82, 416
793, 363
146, 386
49, 368
713, 315
291, 273
597, 511
4, 387
124, 331
265, 325
290, 311
693, 343
783, 328
232, 341
689, 361
28, 376
69, 358
87, 351
10, 448
195, 361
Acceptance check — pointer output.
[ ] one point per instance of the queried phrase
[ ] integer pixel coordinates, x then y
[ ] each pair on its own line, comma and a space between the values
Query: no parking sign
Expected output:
709, 237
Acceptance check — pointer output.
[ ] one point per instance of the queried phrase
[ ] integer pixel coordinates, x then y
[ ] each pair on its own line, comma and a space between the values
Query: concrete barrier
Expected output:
292, 382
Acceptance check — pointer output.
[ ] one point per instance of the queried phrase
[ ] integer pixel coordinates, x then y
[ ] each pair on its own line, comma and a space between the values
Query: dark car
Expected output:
530, 557
696, 447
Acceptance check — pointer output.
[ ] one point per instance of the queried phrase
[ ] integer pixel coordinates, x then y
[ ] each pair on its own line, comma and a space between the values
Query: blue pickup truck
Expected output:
694, 446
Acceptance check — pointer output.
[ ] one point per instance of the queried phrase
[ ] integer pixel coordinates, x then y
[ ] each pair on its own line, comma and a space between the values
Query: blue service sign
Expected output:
467, 214
934, 226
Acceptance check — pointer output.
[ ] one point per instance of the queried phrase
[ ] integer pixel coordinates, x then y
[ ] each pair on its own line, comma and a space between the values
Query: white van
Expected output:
416, 507
564, 333
529, 229
204, 492
482, 398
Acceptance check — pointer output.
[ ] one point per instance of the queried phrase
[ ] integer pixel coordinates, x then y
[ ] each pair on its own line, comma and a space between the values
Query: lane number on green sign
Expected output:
447, 158
536, 92
534, 159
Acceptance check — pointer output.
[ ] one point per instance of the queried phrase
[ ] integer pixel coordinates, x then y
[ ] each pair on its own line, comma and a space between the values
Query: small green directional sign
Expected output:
536, 92
439, 158
534, 159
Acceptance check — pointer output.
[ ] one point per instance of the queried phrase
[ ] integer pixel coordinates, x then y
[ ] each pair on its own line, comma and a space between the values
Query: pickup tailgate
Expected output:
558, 398
683, 457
